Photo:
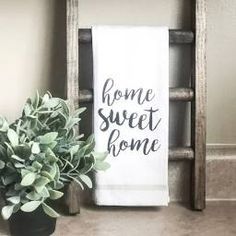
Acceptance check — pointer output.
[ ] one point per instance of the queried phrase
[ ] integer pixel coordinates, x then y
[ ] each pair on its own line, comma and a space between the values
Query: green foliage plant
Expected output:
41, 152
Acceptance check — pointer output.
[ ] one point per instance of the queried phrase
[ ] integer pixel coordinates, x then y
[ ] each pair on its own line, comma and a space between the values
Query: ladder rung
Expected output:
175, 36
181, 94
181, 153
176, 94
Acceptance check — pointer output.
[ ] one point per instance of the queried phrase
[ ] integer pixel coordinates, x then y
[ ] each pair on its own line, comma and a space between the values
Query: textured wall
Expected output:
32, 50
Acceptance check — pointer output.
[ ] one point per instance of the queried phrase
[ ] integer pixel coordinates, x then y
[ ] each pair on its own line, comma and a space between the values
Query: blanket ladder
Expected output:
196, 94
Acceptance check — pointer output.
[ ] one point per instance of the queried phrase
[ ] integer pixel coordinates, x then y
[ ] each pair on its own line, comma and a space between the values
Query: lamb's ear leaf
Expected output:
55, 194
35, 148
13, 137
14, 199
46, 97
30, 206
79, 111
7, 211
35, 100
28, 179
51, 103
33, 196
49, 211
86, 180
101, 156
48, 138
101, 165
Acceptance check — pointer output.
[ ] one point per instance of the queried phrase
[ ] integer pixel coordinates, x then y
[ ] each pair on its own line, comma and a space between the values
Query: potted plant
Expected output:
40, 153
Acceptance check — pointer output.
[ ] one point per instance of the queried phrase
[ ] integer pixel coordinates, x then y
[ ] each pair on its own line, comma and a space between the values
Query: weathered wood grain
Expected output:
198, 111
72, 52
175, 36
181, 94
181, 154
72, 195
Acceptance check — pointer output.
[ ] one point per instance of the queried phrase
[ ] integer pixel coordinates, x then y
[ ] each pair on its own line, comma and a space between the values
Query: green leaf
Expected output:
52, 144
78, 182
53, 170
86, 180
65, 107
48, 138
35, 148
15, 157
14, 200
19, 165
41, 181
101, 156
13, 137
79, 111
27, 109
32, 117
51, 103
49, 211
71, 122
28, 179
39, 189
51, 157
2, 164
7, 212
59, 185
37, 165
46, 97
63, 118
33, 196
90, 139
46, 174
3, 125
9, 149
35, 100
24, 172
44, 193
74, 149
30, 206
55, 194
101, 165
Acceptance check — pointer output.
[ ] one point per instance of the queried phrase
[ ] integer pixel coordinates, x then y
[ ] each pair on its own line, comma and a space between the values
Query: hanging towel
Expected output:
131, 105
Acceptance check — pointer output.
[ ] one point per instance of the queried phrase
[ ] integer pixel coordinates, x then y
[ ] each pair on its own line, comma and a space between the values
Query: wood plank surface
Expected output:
198, 132
72, 195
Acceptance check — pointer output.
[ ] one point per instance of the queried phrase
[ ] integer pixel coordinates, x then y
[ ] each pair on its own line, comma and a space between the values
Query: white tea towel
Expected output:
131, 108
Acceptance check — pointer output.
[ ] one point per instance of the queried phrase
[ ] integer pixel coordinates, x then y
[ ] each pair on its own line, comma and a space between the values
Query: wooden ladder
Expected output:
196, 94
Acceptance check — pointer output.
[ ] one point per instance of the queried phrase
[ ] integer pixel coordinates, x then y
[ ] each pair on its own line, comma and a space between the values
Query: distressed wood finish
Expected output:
175, 36
181, 154
198, 113
181, 94
175, 94
72, 195
72, 52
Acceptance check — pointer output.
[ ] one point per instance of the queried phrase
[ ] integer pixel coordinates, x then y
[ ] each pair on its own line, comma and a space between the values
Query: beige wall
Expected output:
32, 52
